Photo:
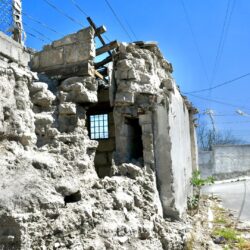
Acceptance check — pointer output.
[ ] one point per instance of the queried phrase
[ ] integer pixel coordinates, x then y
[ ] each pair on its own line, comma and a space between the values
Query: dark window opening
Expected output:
134, 139
99, 126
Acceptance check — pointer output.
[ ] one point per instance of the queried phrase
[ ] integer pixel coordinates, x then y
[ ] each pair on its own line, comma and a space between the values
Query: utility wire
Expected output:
194, 39
118, 20
83, 12
224, 32
43, 24
131, 29
38, 32
36, 37
219, 85
63, 13
79, 8
218, 101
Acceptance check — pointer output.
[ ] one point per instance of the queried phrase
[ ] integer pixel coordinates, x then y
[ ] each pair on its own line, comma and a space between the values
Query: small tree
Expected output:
208, 137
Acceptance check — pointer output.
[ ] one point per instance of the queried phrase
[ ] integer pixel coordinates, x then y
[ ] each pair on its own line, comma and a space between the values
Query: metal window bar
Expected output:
99, 126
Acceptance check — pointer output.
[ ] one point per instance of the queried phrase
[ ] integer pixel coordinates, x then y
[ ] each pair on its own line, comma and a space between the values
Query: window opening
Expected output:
99, 126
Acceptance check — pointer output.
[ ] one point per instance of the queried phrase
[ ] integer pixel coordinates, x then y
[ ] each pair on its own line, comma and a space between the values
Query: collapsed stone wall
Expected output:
51, 196
144, 89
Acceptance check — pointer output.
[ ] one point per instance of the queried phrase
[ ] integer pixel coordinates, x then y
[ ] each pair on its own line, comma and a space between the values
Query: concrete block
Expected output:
51, 57
13, 50
65, 41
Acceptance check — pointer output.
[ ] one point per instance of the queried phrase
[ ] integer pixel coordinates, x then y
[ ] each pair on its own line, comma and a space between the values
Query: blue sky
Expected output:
167, 22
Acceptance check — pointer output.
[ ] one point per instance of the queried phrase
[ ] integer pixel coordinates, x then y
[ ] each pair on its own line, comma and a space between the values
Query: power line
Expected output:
131, 29
83, 12
63, 13
79, 7
38, 32
194, 40
219, 85
118, 20
42, 24
217, 101
38, 38
224, 32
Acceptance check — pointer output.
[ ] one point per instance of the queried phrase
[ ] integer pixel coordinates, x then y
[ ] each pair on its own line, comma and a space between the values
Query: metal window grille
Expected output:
6, 17
99, 126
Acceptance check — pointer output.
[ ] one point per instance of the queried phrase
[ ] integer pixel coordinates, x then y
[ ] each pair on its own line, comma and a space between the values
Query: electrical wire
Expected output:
224, 32
131, 29
79, 7
218, 85
118, 19
38, 32
195, 40
43, 24
63, 13
218, 101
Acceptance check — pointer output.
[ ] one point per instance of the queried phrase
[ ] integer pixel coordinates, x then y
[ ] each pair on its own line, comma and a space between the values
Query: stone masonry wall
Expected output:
73, 54
50, 195
144, 89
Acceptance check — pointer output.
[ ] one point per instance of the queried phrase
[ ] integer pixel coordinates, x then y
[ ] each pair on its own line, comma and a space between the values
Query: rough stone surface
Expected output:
66, 54
144, 91
50, 195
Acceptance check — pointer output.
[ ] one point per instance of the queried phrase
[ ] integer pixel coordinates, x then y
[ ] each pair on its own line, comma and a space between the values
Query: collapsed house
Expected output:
80, 124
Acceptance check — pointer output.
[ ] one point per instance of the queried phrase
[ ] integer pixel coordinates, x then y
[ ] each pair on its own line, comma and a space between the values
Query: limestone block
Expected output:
43, 119
124, 98
67, 109
130, 170
123, 200
133, 74
67, 186
51, 57
43, 99
76, 53
168, 84
38, 86
69, 39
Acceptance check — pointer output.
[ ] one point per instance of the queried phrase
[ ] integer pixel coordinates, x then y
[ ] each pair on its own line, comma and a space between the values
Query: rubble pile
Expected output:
50, 195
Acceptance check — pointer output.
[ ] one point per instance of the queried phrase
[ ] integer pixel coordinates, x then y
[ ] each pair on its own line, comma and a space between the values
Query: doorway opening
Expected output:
135, 145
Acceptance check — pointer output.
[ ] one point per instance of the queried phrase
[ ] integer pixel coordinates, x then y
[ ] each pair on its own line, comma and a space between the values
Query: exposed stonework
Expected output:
70, 55
144, 90
51, 196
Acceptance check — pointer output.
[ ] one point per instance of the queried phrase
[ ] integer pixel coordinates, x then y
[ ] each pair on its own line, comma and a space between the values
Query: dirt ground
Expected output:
215, 227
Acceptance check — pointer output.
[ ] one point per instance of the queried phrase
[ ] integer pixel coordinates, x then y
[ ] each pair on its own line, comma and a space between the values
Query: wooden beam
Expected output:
103, 62
107, 47
99, 75
102, 29
103, 71
98, 35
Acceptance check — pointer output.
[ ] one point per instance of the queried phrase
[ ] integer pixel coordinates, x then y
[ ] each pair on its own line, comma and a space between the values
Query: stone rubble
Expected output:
46, 155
